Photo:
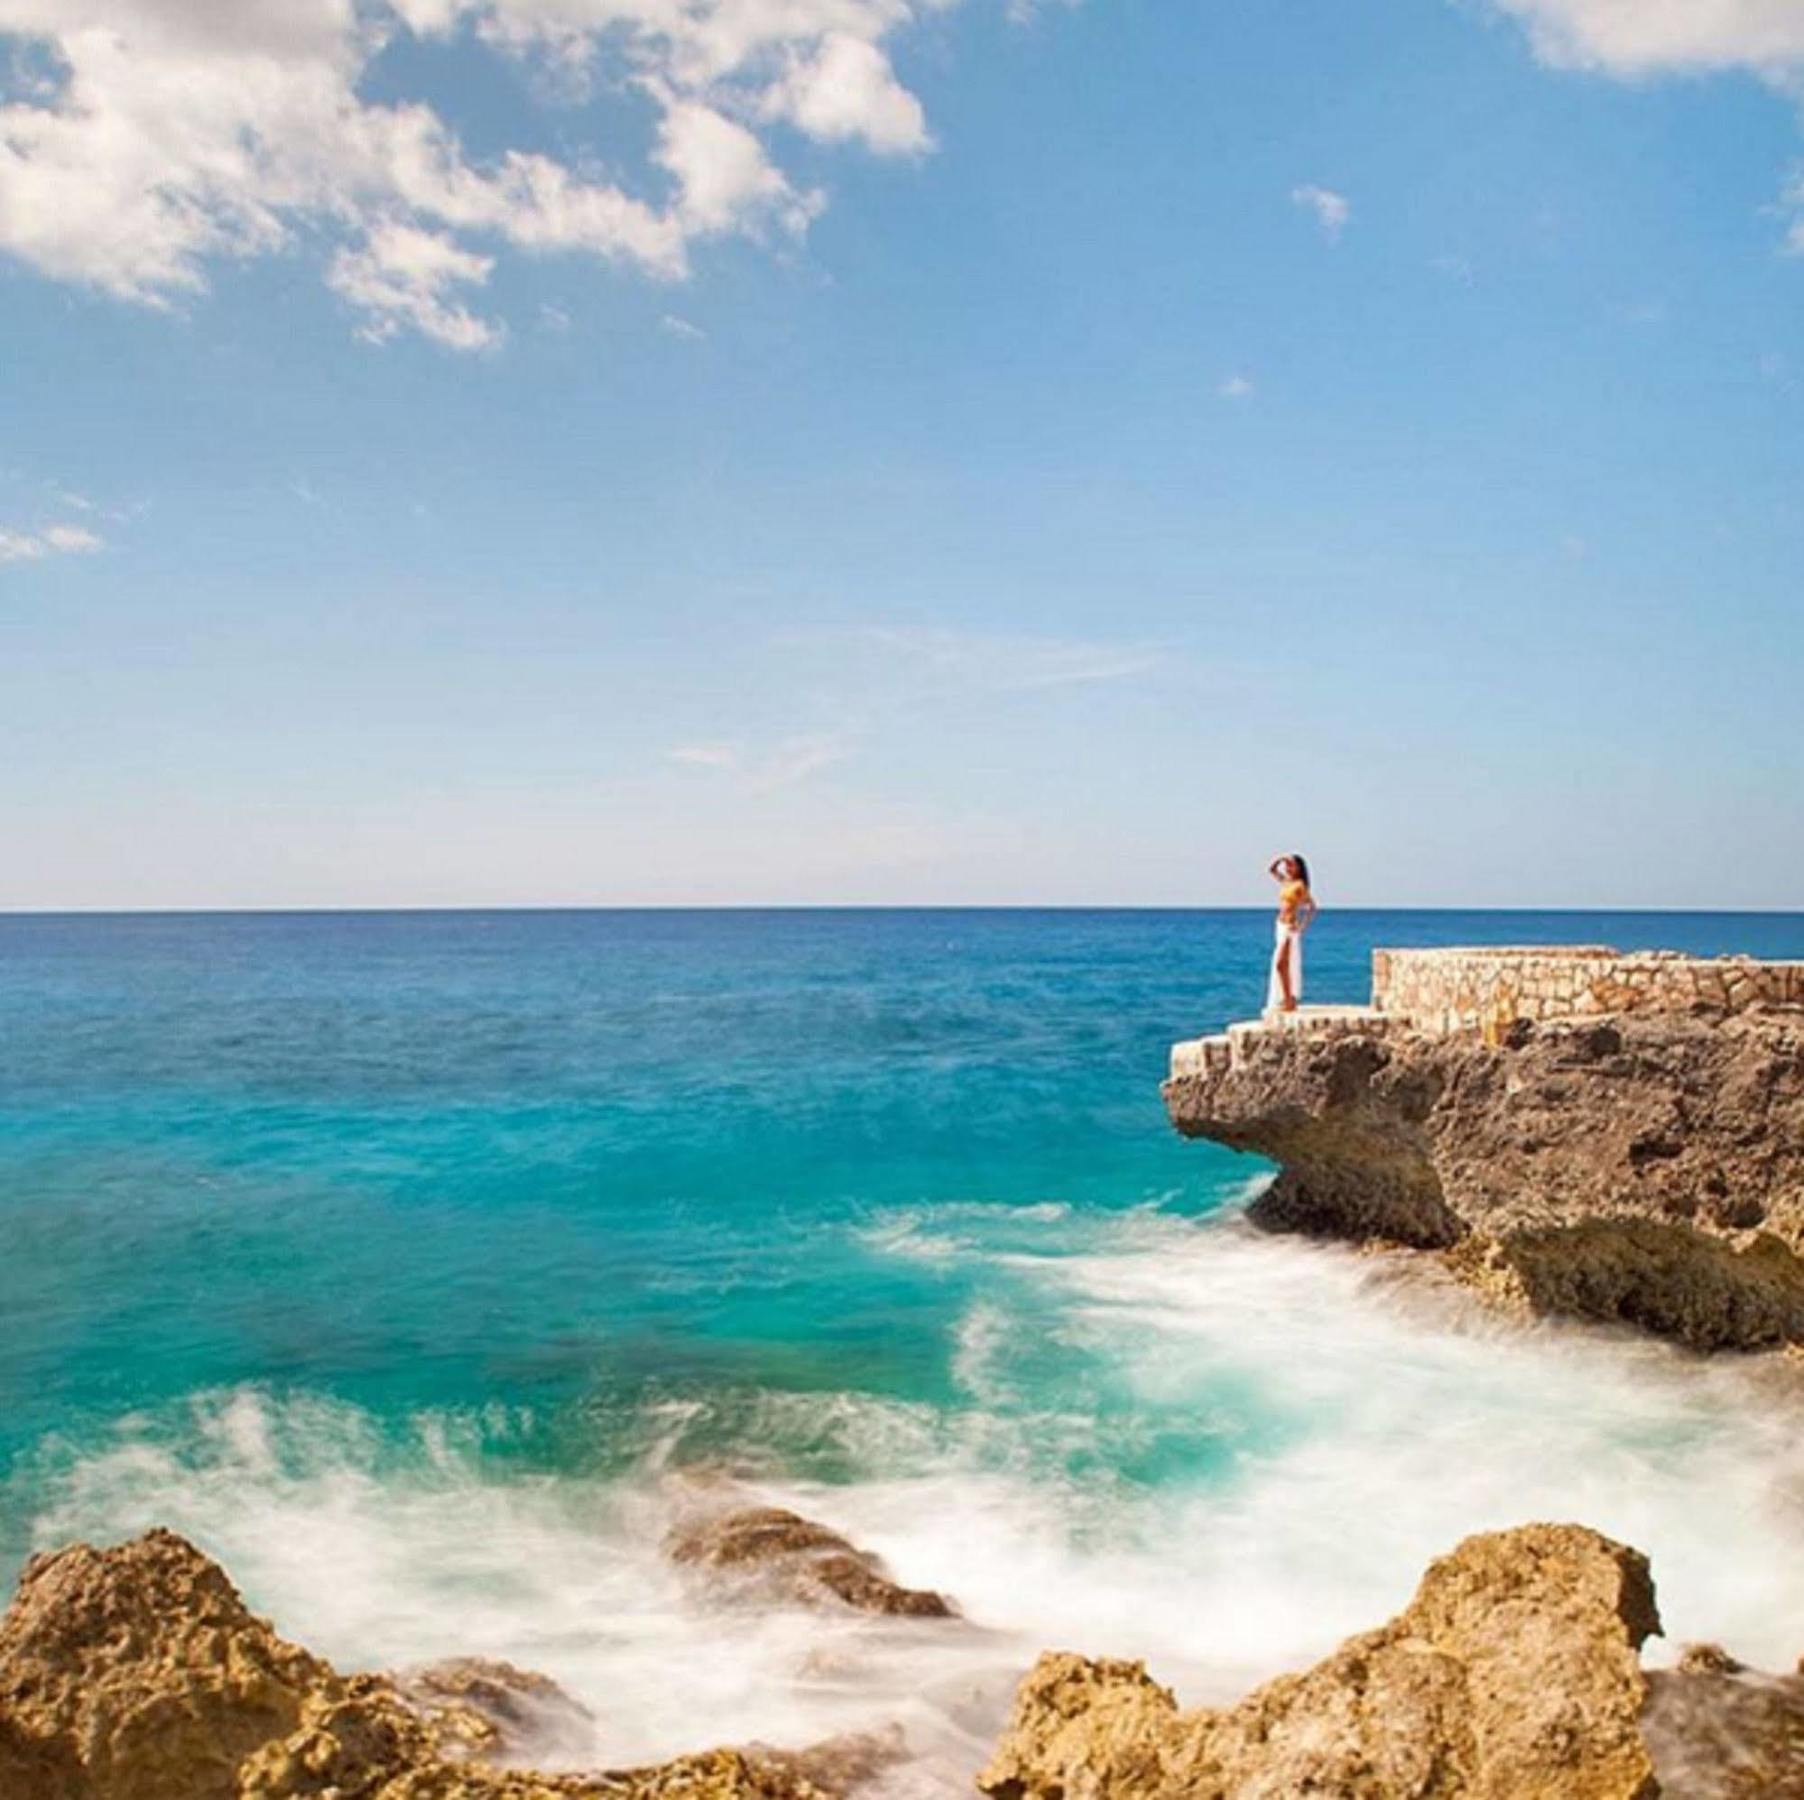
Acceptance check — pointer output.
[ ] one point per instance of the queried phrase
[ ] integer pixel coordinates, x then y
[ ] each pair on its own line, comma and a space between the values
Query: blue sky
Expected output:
568, 451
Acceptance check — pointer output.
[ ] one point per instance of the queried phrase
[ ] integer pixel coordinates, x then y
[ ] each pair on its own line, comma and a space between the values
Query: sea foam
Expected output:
1217, 1451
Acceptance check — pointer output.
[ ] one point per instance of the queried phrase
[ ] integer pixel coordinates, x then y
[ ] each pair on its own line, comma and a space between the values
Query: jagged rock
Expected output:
138, 1673
1648, 1169
484, 1709
1514, 1674
769, 1553
1708, 1659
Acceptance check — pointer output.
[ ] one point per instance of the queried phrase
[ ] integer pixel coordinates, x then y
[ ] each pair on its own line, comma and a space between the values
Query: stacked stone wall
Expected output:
1489, 989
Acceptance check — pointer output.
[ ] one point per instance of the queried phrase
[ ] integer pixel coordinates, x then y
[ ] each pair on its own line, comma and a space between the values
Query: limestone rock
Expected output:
769, 1553
138, 1673
1647, 1168
1514, 1674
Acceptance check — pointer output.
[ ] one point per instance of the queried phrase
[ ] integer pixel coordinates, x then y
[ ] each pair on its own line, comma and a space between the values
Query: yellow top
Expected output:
1290, 901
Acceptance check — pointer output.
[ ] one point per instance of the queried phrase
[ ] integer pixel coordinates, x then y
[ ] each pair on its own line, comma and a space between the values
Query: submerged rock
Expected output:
138, 1673
1645, 1168
1514, 1674
483, 1708
1718, 1731
768, 1553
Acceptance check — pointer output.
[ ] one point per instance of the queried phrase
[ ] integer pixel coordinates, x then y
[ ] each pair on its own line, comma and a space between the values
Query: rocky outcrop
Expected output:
766, 1553
1647, 1168
138, 1673
1514, 1674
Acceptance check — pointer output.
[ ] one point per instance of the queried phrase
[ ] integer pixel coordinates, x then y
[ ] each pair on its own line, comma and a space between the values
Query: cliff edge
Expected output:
1604, 1148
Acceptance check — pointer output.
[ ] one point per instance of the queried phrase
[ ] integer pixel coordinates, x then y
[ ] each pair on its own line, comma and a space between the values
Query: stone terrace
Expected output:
1440, 991
1487, 990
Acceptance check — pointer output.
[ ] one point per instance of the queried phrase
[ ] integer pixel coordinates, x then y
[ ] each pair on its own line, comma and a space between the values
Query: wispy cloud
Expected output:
785, 764
1002, 662
1237, 387
50, 540
1332, 210
673, 326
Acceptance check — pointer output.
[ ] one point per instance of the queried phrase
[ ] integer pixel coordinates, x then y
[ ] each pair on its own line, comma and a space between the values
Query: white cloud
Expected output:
845, 88
1237, 387
1645, 37
676, 327
1332, 210
168, 136
1629, 39
52, 540
402, 278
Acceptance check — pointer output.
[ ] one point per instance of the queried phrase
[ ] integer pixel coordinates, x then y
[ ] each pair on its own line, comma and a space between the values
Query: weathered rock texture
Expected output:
769, 1554
138, 1673
1514, 1674
1644, 1167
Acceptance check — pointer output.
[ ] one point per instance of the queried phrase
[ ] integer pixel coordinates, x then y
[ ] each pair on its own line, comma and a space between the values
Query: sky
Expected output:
493, 452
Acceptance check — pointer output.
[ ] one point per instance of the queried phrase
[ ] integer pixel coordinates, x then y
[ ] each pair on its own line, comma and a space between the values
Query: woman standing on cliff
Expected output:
1296, 907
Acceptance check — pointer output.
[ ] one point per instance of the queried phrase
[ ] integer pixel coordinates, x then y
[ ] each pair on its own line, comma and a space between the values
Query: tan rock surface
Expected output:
138, 1673
1514, 1674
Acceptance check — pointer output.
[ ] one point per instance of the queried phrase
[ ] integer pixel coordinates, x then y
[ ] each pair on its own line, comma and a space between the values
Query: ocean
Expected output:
409, 1262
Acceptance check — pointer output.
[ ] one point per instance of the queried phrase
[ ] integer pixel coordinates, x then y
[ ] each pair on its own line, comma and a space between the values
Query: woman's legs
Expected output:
1281, 995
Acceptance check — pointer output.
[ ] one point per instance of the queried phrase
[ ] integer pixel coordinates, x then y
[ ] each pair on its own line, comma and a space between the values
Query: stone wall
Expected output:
1487, 990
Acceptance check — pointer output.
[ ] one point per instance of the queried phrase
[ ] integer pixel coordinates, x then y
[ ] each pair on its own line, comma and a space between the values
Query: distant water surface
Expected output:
399, 1258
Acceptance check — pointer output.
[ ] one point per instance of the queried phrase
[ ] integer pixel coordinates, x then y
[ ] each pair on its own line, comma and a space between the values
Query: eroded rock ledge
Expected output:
1643, 1165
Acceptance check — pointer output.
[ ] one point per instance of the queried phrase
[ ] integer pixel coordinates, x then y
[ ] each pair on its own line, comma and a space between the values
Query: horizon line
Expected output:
402, 910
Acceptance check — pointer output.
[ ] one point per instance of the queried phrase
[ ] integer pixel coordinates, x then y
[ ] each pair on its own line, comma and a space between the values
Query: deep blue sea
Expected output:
411, 1262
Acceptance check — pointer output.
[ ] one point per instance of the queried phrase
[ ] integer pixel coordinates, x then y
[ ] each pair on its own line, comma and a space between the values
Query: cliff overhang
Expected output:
1572, 1131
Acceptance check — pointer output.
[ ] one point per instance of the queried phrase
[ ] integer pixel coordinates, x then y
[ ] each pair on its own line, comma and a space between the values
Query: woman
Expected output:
1296, 907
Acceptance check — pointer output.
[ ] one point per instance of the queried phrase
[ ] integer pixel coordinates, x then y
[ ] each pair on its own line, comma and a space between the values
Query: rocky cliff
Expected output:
1644, 1167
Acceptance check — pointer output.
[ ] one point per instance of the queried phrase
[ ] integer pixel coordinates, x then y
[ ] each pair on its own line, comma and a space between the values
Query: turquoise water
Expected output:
401, 1259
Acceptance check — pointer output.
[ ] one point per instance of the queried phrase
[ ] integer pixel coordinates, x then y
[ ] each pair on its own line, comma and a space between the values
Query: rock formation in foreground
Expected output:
1643, 1166
1514, 1674
138, 1673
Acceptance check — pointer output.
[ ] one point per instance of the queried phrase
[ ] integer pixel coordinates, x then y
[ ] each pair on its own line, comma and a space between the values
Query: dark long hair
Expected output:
1301, 867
